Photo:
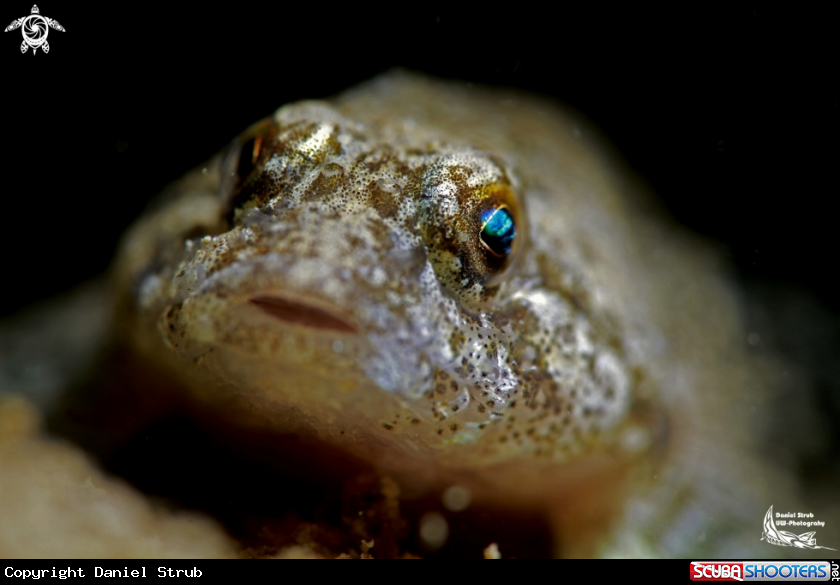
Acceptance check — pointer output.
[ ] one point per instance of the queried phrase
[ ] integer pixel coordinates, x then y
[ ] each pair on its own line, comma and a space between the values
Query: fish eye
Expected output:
244, 154
239, 166
498, 230
249, 153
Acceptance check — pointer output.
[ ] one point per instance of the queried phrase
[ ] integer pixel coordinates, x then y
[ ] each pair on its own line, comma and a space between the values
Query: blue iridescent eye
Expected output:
497, 230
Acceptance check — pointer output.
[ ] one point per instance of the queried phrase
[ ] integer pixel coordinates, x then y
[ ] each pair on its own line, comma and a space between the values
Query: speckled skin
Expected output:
332, 277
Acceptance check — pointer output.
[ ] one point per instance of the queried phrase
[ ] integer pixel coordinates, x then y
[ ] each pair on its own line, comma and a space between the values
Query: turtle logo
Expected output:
773, 535
34, 28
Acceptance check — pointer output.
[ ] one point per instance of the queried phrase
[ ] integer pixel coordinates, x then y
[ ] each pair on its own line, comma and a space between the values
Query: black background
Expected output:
731, 115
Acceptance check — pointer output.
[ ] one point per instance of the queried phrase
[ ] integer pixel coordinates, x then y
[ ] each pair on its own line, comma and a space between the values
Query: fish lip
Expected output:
309, 313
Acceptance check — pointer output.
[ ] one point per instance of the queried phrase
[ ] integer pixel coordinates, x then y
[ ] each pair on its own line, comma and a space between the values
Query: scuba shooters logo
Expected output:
773, 535
764, 571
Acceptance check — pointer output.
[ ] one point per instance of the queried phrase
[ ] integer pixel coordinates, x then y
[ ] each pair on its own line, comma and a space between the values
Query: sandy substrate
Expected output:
54, 502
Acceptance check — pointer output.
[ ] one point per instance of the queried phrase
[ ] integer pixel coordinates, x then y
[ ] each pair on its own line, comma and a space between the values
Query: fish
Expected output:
462, 287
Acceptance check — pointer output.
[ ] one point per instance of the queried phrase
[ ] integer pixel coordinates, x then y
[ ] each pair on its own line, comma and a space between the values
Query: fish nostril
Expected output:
302, 314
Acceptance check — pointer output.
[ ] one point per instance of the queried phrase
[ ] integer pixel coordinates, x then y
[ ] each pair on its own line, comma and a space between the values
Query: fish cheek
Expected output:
454, 264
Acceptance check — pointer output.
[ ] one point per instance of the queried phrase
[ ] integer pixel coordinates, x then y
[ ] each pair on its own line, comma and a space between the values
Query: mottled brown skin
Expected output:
328, 272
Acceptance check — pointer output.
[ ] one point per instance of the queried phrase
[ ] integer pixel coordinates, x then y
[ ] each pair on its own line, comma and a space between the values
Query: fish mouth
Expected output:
303, 313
